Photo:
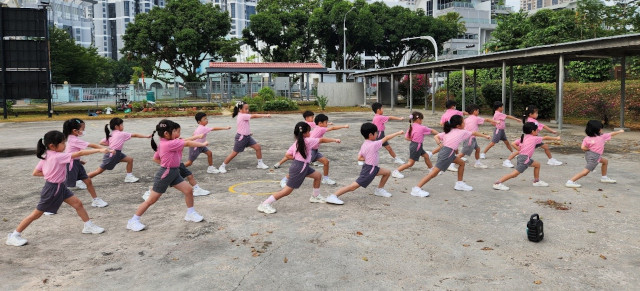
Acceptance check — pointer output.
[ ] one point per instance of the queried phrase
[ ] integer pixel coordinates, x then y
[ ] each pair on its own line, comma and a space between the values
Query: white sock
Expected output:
223, 165
270, 200
88, 222
316, 192
325, 177
285, 179
190, 210
129, 174
15, 233
196, 186
135, 217
259, 161
604, 177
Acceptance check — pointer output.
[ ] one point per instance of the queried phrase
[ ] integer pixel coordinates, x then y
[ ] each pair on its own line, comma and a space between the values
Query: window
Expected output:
539, 4
126, 8
251, 10
554, 2
233, 10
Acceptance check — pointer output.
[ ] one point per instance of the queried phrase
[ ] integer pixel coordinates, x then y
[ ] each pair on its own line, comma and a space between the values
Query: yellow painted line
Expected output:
233, 190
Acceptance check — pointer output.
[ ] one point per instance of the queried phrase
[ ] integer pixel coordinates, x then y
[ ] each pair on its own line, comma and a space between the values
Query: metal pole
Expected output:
391, 87
4, 66
377, 88
410, 90
475, 87
560, 88
308, 87
504, 82
433, 92
344, 40
364, 84
622, 90
49, 97
511, 90
447, 73
464, 96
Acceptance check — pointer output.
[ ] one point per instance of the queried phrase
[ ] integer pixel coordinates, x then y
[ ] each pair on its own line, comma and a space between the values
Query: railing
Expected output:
455, 5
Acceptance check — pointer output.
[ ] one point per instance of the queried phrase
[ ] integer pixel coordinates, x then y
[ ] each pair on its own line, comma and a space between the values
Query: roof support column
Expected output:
433, 92
249, 85
308, 87
410, 90
392, 91
377, 88
560, 88
511, 90
623, 79
464, 77
475, 87
364, 85
504, 82
447, 73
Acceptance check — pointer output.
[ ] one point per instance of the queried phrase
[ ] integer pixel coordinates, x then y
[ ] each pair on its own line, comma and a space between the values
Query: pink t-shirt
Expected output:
201, 129
379, 120
170, 152
309, 143
500, 118
453, 139
528, 145
318, 132
448, 114
74, 144
53, 166
540, 125
117, 139
369, 150
418, 131
312, 124
242, 121
471, 123
596, 143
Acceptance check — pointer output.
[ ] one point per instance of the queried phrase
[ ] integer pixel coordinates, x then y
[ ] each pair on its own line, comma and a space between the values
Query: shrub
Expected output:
267, 94
322, 101
280, 104
255, 103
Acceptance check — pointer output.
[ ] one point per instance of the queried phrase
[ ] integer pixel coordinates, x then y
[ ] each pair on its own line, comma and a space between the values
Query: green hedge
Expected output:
540, 95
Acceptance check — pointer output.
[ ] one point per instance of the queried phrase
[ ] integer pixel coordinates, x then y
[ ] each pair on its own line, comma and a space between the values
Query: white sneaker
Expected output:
452, 168
98, 203
261, 165
200, 192
212, 170
135, 225
397, 174
316, 164
131, 179
554, 162
283, 182
430, 154
193, 216
146, 194
49, 213
222, 169
398, 161
500, 186
276, 166
462, 186
360, 163
15, 240
415, 191
541, 183
507, 164
266, 208
483, 156
333, 199
81, 185
92, 228
480, 165
464, 159
606, 179
318, 199
572, 184
381, 192
328, 181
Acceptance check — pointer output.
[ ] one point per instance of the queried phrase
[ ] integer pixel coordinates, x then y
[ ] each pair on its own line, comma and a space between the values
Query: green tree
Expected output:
180, 36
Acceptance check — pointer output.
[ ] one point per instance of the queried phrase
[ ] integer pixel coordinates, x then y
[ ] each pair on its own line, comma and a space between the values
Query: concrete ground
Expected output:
451, 240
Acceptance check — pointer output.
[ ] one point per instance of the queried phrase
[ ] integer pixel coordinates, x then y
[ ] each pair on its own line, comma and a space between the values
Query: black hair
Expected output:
593, 128
414, 116
112, 124
163, 127
368, 128
528, 128
452, 123
321, 118
237, 108
307, 114
53, 137
375, 106
531, 109
70, 125
472, 108
497, 105
299, 131
199, 116
450, 103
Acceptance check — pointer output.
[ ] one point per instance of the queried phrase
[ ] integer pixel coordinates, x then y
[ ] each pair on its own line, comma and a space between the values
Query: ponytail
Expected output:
164, 126
154, 146
40, 149
70, 125
299, 131
531, 109
522, 138
236, 109
116, 121
412, 118
106, 131
454, 122
528, 128
53, 137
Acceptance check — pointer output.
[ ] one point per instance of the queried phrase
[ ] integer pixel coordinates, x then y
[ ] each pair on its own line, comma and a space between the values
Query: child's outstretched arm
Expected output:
328, 140
95, 146
396, 118
617, 132
434, 132
516, 145
90, 152
480, 134
549, 129
260, 115
514, 118
195, 144
37, 172
337, 127
194, 137
388, 137
550, 138
138, 135
492, 121
221, 128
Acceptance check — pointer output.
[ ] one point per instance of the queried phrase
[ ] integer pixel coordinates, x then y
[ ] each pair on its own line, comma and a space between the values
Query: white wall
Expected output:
342, 94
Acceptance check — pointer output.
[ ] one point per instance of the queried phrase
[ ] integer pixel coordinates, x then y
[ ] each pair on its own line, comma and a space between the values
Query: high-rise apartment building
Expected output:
534, 5
74, 16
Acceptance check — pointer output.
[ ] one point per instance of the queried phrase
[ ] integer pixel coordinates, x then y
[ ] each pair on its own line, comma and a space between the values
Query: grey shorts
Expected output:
173, 178
297, 173
316, 155
414, 152
52, 196
109, 162
469, 147
593, 159
539, 145
498, 135
76, 173
380, 136
520, 163
240, 144
195, 152
446, 156
367, 175
184, 172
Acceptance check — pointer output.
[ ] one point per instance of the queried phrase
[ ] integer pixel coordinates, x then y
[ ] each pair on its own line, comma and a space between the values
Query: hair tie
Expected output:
78, 120
447, 122
239, 103
300, 128
162, 125
411, 116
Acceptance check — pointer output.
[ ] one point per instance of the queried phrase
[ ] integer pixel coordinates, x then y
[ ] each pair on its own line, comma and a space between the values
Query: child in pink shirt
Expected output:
415, 135
202, 129
499, 134
379, 120
451, 111
53, 168
243, 137
526, 145
115, 140
300, 168
593, 147
471, 124
308, 118
170, 153
531, 115
369, 153
77, 176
